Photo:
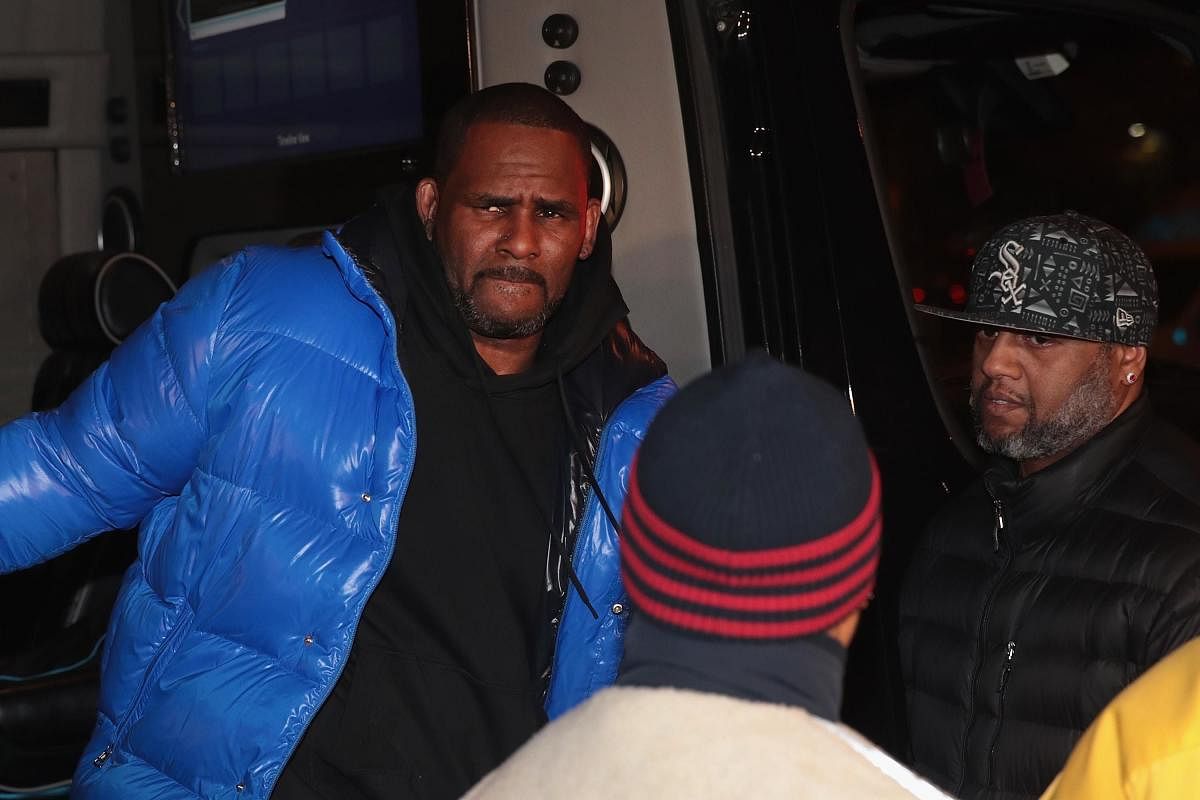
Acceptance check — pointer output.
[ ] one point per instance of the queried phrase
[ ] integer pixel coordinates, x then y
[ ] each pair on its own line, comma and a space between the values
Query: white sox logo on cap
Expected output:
1064, 275
1014, 290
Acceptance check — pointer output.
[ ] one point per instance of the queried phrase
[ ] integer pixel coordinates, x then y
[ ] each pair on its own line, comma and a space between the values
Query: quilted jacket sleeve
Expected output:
127, 437
1179, 619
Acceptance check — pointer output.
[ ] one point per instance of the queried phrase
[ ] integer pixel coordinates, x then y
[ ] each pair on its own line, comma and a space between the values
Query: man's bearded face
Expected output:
1035, 396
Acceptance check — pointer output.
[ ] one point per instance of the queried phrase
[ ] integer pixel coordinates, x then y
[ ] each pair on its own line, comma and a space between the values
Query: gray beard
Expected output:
1088, 408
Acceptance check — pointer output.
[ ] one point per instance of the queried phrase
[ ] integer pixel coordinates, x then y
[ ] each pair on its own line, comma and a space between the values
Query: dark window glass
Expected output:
975, 117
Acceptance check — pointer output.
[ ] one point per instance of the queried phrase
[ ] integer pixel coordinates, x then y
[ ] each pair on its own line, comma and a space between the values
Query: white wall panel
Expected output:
52, 26
29, 230
629, 91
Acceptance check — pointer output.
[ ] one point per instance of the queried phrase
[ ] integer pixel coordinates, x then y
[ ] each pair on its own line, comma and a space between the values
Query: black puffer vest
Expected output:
1031, 602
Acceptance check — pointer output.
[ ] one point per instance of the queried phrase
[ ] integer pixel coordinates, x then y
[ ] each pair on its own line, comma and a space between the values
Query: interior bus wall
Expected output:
628, 90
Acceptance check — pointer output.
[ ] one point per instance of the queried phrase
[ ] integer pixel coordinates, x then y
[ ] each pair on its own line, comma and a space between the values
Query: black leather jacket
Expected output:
1031, 602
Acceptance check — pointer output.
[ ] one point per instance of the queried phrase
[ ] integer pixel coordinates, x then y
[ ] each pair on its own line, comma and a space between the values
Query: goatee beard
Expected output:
1088, 409
483, 324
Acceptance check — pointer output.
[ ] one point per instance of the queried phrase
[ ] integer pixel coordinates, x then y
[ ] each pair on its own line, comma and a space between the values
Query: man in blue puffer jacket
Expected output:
375, 481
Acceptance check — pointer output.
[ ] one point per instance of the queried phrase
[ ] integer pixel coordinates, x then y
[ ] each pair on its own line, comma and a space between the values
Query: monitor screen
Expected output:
261, 80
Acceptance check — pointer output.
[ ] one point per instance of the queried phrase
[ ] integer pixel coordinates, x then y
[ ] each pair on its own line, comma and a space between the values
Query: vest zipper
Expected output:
1009, 654
1009, 657
557, 621
601, 611
132, 713
998, 525
998, 508
104, 754
587, 498
581, 525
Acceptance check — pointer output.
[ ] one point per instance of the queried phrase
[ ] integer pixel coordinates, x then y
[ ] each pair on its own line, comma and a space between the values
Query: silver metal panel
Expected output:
123, 82
78, 90
80, 191
29, 230
51, 26
629, 91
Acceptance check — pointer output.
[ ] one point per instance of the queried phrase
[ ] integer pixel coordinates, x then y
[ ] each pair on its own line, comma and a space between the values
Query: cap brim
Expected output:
995, 321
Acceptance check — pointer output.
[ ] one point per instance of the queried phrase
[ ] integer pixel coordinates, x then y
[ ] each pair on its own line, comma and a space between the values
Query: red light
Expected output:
970, 251
958, 295
918, 294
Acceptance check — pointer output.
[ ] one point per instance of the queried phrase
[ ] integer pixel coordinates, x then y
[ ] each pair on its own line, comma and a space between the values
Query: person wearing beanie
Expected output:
749, 545
1073, 563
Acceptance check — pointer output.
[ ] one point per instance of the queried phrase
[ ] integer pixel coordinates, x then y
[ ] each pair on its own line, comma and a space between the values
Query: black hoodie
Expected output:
446, 674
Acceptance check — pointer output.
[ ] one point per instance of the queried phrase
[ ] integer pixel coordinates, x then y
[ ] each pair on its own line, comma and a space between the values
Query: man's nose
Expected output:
996, 356
519, 238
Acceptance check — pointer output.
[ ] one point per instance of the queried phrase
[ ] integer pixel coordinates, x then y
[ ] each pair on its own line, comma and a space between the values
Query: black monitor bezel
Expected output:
446, 36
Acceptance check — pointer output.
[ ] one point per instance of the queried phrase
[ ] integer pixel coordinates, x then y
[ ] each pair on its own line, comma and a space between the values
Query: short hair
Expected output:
512, 104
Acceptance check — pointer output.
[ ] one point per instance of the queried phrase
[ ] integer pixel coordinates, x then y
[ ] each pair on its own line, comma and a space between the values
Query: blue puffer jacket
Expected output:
261, 430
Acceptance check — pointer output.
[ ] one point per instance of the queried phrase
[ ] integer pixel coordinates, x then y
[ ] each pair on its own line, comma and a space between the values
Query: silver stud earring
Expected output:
1131, 378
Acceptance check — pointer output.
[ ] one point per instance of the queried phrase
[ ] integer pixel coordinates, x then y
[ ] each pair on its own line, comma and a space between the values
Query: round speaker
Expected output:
607, 181
97, 299
120, 222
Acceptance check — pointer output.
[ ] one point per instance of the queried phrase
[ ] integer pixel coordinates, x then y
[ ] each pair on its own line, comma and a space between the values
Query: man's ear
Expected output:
427, 204
1128, 374
1131, 358
591, 220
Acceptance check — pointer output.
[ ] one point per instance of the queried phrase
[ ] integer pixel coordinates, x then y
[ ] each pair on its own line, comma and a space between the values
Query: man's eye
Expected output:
493, 209
987, 333
550, 213
1039, 341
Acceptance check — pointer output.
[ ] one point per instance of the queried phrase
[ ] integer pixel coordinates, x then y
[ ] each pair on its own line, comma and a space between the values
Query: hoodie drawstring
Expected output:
559, 550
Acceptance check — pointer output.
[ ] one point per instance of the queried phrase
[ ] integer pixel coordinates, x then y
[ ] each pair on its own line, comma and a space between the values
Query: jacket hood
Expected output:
390, 244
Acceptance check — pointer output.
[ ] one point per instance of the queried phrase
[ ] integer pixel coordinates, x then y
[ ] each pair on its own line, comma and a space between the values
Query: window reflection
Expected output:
978, 117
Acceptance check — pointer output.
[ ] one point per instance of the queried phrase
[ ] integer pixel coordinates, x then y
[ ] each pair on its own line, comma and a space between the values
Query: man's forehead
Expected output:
490, 146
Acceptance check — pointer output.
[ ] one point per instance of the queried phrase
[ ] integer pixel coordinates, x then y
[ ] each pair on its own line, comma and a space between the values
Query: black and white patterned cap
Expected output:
1065, 275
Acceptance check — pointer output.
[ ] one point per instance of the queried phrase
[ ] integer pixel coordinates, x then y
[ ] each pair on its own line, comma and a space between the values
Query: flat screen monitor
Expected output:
252, 81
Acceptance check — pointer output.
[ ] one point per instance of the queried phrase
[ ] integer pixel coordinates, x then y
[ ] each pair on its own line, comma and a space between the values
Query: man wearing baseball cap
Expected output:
750, 539
1073, 563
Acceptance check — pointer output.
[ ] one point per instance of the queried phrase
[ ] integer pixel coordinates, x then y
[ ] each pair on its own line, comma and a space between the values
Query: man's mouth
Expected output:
999, 405
1000, 399
511, 275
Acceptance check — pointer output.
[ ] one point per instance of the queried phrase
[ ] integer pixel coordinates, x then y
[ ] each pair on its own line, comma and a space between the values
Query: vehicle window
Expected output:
975, 117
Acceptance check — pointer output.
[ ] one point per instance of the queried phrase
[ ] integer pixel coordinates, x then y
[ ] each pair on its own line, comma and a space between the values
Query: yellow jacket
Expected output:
1146, 742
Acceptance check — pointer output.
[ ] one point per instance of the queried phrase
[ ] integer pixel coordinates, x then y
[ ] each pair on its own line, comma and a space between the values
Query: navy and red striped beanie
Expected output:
753, 509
